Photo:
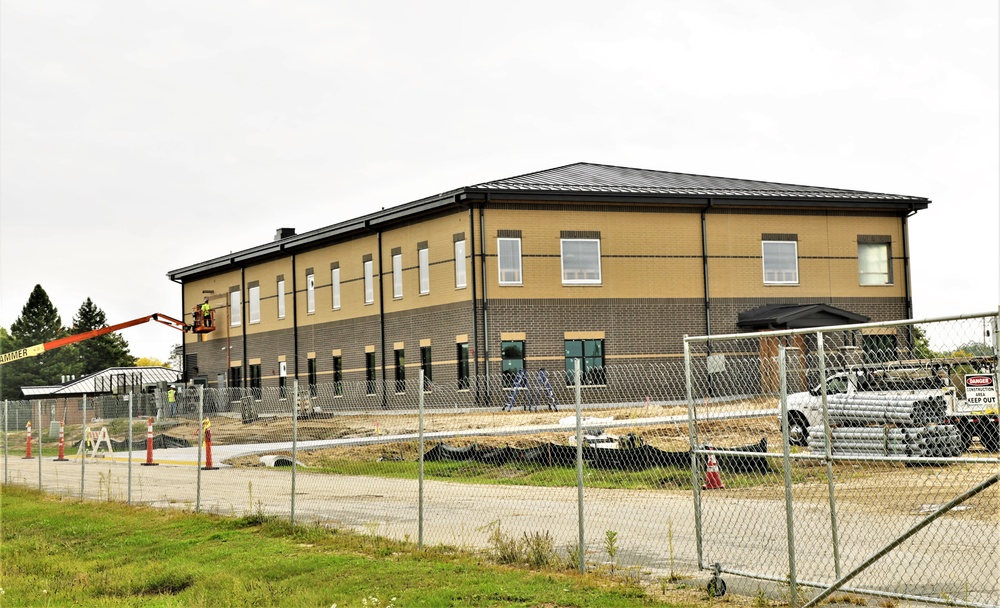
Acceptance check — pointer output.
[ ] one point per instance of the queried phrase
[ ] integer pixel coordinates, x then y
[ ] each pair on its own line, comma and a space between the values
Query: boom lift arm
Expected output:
37, 349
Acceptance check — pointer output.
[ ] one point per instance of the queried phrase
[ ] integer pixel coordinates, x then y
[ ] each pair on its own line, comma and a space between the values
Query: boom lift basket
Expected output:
202, 325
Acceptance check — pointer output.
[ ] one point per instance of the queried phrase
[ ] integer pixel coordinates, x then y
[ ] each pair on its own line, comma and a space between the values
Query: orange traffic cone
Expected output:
713, 480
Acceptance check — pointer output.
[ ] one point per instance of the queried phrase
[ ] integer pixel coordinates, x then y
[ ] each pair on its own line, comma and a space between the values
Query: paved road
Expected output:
656, 529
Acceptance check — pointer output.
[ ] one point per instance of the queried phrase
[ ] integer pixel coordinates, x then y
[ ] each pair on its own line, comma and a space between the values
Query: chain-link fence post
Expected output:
295, 437
693, 441
786, 463
6, 437
201, 413
82, 449
828, 429
420, 472
579, 462
131, 405
38, 409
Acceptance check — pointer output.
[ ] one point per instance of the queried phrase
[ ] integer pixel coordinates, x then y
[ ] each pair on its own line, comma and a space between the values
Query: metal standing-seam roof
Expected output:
98, 382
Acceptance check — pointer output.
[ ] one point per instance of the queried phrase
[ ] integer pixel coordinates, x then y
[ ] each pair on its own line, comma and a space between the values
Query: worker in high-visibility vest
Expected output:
172, 401
206, 314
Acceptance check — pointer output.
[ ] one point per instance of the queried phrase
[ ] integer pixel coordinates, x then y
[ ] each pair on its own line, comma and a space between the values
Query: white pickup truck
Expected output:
805, 409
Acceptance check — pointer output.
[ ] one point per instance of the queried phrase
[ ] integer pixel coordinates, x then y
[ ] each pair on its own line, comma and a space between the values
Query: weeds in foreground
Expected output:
536, 549
611, 547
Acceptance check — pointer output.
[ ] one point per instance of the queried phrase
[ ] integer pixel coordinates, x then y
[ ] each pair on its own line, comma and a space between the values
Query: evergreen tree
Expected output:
39, 323
102, 352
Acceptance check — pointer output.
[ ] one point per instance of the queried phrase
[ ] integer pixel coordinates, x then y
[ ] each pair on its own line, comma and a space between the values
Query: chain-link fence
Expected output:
654, 470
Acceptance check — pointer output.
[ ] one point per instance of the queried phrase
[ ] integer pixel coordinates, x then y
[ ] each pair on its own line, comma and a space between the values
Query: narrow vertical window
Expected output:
235, 307
282, 379
463, 366
509, 261
310, 291
369, 282
425, 365
338, 375
424, 264
335, 286
460, 263
255, 380
370, 373
254, 297
400, 370
781, 262
281, 297
511, 361
397, 275
312, 377
235, 377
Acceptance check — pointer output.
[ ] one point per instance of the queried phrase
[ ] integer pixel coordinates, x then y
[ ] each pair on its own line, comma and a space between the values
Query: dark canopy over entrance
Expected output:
796, 316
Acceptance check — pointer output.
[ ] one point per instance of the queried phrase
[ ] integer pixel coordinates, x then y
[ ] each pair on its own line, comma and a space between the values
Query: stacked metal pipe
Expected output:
862, 409
928, 441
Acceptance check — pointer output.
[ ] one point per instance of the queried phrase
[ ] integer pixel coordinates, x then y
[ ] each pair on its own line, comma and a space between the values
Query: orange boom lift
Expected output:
33, 351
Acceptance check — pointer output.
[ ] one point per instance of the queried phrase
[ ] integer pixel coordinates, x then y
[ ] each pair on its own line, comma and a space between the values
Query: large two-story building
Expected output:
609, 266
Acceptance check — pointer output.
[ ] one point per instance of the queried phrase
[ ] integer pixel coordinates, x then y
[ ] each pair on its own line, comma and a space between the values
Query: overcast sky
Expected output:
140, 137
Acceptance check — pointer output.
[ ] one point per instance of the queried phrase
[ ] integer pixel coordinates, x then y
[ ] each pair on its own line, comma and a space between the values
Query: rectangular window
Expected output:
509, 261
425, 366
460, 264
873, 264
370, 373
781, 262
235, 307
282, 388
590, 354
254, 303
310, 291
581, 261
400, 370
463, 366
312, 377
255, 381
335, 287
281, 297
511, 360
235, 376
397, 275
424, 264
369, 283
338, 376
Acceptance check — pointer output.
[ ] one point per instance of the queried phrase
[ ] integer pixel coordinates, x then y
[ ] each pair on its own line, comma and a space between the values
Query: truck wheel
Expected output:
798, 430
989, 435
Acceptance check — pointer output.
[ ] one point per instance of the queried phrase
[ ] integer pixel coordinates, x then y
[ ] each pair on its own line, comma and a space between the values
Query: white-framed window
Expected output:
781, 262
369, 283
335, 287
281, 298
509, 261
397, 275
581, 261
460, 282
424, 264
254, 302
310, 292
874, 264
235, 308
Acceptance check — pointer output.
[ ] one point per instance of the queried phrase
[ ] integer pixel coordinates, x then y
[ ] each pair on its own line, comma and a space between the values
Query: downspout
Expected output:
381, 322
475, 303
906, 265
243, 324
704, 272
295, 322
486, 301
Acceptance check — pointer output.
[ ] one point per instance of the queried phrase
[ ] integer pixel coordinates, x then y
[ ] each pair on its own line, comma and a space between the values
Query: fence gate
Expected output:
883, 481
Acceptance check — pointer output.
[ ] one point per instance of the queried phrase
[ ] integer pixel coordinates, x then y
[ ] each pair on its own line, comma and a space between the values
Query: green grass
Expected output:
61, 552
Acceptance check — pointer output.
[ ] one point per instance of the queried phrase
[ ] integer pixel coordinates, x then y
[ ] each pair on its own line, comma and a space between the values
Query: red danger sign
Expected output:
979, 381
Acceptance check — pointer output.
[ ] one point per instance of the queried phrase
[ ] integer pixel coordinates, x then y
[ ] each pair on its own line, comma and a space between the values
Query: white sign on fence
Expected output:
981, 391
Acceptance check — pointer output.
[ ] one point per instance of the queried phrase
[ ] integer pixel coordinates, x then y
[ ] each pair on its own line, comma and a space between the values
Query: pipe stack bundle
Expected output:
928, 441
862, 409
